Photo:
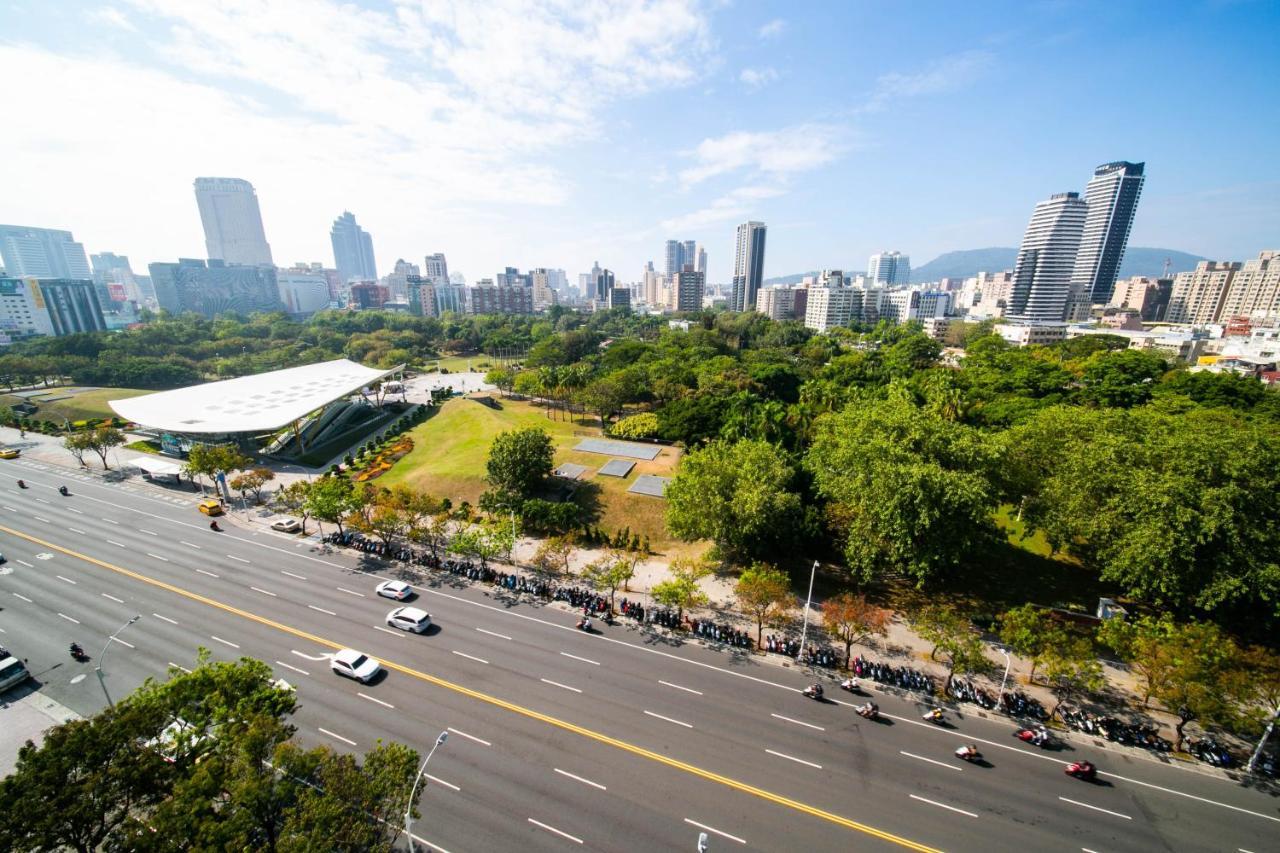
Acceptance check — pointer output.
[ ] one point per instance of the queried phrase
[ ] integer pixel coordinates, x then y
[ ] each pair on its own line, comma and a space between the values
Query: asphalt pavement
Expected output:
622, 740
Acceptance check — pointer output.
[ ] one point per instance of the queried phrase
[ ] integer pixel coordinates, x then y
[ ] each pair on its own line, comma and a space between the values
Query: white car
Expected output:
409, 619
354, 664
399, 590
287, 525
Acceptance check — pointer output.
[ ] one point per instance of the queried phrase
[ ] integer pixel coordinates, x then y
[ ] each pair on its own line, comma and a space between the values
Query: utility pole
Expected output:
804, 633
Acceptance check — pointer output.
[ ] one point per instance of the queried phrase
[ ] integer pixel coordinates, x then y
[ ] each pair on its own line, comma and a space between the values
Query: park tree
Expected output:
210, 460
102, 440
331, 499
484, 542
1121, 379
738, 495
501, 378
552, 556
764, 592
604, 397
432, 531
908, 492
252, 480
611, 571
382, 520
852, 619
519, 462
1032, 632
681, 588
77, 445
954, 641
292, 500
1072, 669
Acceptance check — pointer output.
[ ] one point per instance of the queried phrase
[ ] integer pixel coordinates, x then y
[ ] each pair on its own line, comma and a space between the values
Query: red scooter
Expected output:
1038, 736
1082, 770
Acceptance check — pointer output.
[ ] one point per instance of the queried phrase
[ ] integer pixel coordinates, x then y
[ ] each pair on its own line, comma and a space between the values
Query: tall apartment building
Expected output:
232, 222
1255, 289
436, 269
1148, 296
889, 268
28, 252
352, 249
903, 306
680, 254
1198, 295
51, 306
651, 285
397, 281
828, 308
366, 295
544, 291
485, 297
214, 287
1112, 200
1046, 260
748, 266
783, 302
688, 286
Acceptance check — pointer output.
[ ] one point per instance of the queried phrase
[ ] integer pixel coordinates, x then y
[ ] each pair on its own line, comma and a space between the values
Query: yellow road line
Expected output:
500, 703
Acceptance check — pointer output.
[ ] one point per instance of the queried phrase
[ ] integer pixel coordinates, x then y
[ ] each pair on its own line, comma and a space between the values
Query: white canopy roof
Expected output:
154, 466
257, 404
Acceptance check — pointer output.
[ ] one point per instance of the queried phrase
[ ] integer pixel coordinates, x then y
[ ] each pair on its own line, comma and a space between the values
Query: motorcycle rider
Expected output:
76, 651
813, 691
62, 490
213, 525
850, 684
934, 715
22, 484
968, 752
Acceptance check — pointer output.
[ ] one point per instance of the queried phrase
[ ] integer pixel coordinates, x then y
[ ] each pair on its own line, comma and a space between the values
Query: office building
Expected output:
303, 292
544, 291
1255, 290
688, 286
366, 295
619, 297
436, 269
889, 268
214, 288
651, 286
1112, 200
485, 297
602, 282
783, 302
352, 250
1046, 260
51, 306
232, 222
748, 266
1148, 296
1197, 296
1031, 333
681, 254
512, 277
701, 264
42, 253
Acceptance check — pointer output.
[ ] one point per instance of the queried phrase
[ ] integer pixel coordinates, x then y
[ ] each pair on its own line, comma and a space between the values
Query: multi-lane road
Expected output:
624, 740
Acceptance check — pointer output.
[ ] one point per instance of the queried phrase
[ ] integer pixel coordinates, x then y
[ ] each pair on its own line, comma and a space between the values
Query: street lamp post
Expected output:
1008, 661
804, 633
98, 669
408, 809
1257, 753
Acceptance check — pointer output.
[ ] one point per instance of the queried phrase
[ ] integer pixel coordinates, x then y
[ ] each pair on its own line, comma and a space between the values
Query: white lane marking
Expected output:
338, 737
292, 575
311, 657
440, 781
322, 610
68, 618
124, 643
670, 720
493, 634
25, 563
114, 542
42, 518
1087, 850
716, 831
558, 684
470, 737
148, 532
165, 618
556, 831
474, 658
110, 520
580, 779
76, 511
68, 580
1095, 808
349, 591
190, 544
793, 758
11, 509
292, 667
158, 557
228, 642
584, 660
678, 687
395, 633
241, 559
263, 591
210, 574
77, 530
798, 722
930, 760
943, 806
379, 701
178, 665
42, 500
427, 844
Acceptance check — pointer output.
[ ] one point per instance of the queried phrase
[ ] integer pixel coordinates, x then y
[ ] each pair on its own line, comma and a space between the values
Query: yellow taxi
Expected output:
9, 453
210, 507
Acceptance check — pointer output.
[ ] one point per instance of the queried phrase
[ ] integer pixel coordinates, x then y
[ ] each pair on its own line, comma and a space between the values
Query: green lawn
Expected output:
478, 362
78, 407
451, 448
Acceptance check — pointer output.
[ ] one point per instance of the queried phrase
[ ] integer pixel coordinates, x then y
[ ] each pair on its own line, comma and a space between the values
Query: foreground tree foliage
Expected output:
764, 592
231, 779
519, 463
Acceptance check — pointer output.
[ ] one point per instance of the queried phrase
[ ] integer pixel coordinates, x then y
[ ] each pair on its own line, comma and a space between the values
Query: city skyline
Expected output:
699, 115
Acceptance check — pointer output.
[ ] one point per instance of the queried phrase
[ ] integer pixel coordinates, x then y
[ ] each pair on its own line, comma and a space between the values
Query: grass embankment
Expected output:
477, 362
450, 451
79, 406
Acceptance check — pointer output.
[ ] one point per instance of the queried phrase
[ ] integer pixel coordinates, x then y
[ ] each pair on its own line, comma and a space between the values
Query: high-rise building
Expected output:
701, 264
1255, 290
602, 283
214, 288
783, 301
544, 293
42, 253
1112, 199
232, 222
687, 289
680, 254
828, 308
619, 297
1197, 296
51, 306
512, 277
397, 281
489, 298
364, 295
352, 249
303, 292
748, 266
1148, 296
889, 268
1042, 274
436, 269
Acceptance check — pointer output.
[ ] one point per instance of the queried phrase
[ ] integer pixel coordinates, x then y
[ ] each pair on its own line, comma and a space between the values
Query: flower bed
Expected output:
384, 459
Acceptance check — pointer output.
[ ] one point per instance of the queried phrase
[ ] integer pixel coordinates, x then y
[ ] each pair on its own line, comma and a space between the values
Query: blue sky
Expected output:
556, 134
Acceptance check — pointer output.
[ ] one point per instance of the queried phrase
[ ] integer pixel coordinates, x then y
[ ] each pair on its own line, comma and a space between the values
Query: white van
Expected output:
12, 671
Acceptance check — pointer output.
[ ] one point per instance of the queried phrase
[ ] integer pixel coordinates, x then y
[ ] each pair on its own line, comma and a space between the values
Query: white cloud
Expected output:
112, 17
945, 75
772, 29
757, 77
776, 153
736, 204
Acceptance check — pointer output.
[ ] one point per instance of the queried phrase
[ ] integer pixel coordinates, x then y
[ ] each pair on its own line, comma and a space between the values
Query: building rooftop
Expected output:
256, 404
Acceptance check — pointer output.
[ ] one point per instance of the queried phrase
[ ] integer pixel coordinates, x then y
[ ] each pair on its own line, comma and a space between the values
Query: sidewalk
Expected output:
26, 714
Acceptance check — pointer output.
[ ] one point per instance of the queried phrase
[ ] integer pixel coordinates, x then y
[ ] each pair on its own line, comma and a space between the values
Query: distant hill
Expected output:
1138, 260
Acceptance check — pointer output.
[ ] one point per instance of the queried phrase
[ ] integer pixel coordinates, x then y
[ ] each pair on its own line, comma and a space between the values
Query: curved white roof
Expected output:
257, 404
